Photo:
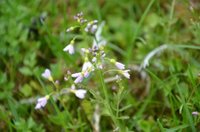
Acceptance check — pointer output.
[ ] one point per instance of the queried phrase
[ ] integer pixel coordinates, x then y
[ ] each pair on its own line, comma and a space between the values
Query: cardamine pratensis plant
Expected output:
95, 64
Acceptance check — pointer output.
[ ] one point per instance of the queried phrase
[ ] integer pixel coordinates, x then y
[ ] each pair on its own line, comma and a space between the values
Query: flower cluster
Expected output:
94, 59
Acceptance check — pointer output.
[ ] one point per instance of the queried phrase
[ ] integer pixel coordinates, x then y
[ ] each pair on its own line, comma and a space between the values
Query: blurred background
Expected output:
32, 38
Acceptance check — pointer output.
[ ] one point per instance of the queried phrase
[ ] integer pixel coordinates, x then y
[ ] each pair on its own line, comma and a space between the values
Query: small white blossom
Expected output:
119, 65
81, 75
125, 73
94, 59
76, 74
87, 65
69, 48
92, 27
47, 74
80, 93
195, 113
41, 102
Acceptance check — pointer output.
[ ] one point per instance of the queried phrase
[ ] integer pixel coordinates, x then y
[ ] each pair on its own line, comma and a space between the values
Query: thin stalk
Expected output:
107, 104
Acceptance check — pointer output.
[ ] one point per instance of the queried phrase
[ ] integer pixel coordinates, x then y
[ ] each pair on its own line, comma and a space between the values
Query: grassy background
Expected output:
159, 98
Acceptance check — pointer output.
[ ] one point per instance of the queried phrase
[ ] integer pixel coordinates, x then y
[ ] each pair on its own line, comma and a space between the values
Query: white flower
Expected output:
91, 27
119, 65
125, 73
94, 59
47, 74
79, 77
87, 65
195, 113
41, 102
76, 74
69, 48
80, 93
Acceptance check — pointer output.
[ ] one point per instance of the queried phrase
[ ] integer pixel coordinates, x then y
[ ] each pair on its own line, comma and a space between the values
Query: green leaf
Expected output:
26, 90
26, 71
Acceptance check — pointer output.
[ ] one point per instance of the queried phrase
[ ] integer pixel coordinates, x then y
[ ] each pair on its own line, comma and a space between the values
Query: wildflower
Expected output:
69, 48
125, 73
80, 93
91, 27
195, 113
41, 102
79, 18
47, 74
94, 59
118, 64
87, 65
79, 77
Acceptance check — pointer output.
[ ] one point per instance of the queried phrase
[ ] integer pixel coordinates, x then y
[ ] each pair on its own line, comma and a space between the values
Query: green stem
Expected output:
103, 85
107, 102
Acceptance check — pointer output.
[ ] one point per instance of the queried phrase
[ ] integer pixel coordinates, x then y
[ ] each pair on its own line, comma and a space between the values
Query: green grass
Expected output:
160, 97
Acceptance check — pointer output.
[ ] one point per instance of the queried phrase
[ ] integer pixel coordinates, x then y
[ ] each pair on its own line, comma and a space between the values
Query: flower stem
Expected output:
107, 102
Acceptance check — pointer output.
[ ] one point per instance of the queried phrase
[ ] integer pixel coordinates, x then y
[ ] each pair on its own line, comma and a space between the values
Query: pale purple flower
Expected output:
41, 102
80, 93
195, 113
86, 73
79, 77
87, 65
125, 73
69, 48
47, 74
119, 65
92, 27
